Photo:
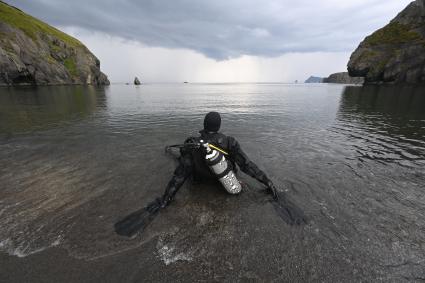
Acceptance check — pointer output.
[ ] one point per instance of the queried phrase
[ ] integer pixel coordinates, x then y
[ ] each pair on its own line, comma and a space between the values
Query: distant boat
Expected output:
185, 82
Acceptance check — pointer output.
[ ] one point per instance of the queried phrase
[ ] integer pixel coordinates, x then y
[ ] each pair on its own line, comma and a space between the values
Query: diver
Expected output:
192, 161
211, 156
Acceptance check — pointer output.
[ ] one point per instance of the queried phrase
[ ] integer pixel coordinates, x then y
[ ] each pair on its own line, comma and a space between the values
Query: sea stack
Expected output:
396, 52
137, 81
34, 53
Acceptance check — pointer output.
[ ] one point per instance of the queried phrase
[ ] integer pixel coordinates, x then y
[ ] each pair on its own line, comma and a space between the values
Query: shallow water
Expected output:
74, 160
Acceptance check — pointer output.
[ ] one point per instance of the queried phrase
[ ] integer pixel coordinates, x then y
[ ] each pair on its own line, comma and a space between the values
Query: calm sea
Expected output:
74, 160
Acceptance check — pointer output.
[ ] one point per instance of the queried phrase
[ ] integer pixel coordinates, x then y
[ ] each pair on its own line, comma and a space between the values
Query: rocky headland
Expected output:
337, 78
313, 80
343, 78
396, 52
34, 53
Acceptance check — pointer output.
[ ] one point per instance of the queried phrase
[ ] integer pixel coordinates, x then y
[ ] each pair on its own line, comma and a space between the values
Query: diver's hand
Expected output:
271, 189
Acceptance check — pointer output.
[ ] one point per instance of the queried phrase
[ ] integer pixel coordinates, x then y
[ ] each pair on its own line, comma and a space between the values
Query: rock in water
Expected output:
395, 53
34, 53
313, 80
136, 81
343, 78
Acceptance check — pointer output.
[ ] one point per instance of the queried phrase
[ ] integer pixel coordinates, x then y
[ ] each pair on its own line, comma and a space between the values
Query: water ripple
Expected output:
72, 164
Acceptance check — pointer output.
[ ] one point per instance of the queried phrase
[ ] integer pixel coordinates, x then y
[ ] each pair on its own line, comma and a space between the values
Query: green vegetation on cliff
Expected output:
34, 53
70, 65
32, 26
395, 53
393, 33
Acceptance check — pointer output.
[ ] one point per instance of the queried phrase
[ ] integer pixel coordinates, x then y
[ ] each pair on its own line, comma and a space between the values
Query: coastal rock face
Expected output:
313, 80
343, 78
34, 53
395, 53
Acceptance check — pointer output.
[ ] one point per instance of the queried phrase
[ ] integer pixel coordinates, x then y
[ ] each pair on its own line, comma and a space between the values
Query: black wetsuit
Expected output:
192, 163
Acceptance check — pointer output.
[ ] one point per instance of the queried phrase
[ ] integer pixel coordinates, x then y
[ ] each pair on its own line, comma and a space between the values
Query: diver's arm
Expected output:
249, 167
182, 172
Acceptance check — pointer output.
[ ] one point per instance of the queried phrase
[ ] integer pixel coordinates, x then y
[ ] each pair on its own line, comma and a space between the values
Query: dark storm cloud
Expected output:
222, 29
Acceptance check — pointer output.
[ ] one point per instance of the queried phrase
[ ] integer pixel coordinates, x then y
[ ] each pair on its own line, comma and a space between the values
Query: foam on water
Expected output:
23, 250
169, 254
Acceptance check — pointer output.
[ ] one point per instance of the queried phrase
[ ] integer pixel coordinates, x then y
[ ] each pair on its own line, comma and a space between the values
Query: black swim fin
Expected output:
289, 211
138, 220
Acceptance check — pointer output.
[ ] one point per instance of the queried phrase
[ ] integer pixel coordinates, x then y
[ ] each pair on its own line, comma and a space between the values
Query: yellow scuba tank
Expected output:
220, 167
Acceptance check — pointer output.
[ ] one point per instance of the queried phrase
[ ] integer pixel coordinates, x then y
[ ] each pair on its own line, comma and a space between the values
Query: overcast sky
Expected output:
217, 40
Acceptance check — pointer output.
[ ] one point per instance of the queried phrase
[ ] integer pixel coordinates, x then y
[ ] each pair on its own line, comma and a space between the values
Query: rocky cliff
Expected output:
395, 53
34, 53
343, 78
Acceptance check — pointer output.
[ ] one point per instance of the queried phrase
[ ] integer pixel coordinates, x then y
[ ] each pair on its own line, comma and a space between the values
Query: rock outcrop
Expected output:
34, 53
395, 53
343, 78
313, 80
137, 81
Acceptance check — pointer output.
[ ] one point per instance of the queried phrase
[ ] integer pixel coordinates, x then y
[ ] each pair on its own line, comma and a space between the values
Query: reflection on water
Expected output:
385, 123
74, 160
26, 109
394, 102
